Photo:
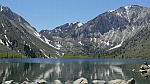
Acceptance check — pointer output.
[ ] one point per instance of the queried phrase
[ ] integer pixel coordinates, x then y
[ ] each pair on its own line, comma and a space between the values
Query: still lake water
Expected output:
71, 69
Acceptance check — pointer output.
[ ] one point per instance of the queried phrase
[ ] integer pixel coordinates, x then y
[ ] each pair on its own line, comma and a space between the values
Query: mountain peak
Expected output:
4, 8
132, 6
79, 24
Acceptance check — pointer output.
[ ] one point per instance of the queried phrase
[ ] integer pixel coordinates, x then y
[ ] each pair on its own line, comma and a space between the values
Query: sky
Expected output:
48, 14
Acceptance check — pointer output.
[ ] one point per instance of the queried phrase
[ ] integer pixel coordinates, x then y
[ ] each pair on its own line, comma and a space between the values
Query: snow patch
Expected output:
74, 22
19, 19
117, 46
95, 40
80, 43
111, 11
44, 53
57, 53
45, 40
69, 23
119, 14
1, 42
37, 34
3, 25
133, 28
127, 7
79, 24
57, 30
63, 54
58, 45
5, 31
7, 39
1, 8
54, 46
91, 39
105, 43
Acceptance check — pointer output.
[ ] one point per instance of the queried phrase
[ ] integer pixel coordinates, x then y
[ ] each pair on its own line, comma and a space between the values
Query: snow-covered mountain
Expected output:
17, 35
111, 33
106, 32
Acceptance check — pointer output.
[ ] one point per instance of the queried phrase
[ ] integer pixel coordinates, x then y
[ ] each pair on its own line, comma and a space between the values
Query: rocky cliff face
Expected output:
17, 35
106, 32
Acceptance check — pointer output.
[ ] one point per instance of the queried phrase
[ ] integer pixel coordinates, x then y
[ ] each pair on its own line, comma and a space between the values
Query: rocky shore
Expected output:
81, 80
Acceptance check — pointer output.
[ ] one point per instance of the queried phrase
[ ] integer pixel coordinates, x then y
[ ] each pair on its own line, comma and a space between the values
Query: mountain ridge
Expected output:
105, 32
106, 35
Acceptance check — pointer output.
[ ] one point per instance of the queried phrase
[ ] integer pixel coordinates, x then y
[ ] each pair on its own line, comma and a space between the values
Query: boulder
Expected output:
81, 81
131, 81
117, 81
98, 82
144, 67
42, 81
8, 82
25, 82
56, 82
145, 71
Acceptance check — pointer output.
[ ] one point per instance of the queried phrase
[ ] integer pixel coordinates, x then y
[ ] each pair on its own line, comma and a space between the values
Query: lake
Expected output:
72, 69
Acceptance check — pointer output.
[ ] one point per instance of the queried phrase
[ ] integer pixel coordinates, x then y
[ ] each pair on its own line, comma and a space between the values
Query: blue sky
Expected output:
48, 14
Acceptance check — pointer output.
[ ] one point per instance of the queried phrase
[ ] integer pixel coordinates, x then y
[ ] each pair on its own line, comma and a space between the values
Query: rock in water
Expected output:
56, 82
133, 69
117, 81
131, 81
144, 67
98, 82
25, 82
81, 81
8, 82
42, 81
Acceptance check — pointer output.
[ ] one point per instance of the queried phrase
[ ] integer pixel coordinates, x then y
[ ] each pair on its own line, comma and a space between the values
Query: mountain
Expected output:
117, 33
18, 36
105, 33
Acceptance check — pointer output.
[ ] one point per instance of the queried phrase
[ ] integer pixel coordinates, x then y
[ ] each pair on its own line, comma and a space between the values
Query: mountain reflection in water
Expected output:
71, 70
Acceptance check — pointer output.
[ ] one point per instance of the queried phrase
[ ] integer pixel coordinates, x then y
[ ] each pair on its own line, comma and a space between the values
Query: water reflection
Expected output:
70, 71
145, 75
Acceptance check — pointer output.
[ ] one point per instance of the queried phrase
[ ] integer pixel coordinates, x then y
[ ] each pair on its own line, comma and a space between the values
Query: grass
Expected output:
8, 55
74, 56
